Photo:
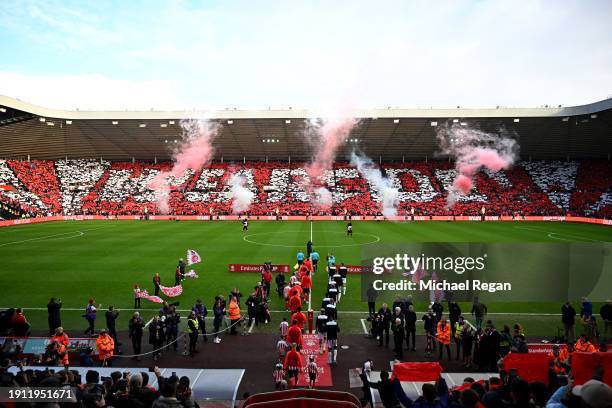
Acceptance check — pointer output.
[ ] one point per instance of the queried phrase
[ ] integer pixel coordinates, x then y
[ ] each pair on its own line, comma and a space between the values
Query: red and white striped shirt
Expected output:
284, 327
282, 347
312, 368
278, 375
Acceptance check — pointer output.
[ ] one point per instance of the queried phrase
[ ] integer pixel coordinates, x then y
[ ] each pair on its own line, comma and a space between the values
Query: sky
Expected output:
142, 55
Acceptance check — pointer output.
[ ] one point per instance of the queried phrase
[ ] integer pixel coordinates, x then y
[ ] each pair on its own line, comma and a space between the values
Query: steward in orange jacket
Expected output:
444, 332
234, 314
559, 357
60, 336
584, 346
63, 353
105, 345
444, 337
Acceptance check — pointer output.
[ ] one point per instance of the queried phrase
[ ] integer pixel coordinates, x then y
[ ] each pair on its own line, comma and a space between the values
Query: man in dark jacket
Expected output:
606, 315
111, 317
136, 328
386, 314
454, 311
54, 318
390, 391
398, 338
568, 318
411, 319
200, 313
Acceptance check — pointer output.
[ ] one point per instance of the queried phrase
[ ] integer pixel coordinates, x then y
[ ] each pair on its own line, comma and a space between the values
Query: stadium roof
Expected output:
391, 134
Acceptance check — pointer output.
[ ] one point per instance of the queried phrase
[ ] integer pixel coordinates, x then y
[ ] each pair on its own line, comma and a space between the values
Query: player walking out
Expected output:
332, 329
322, 330
312, 372
349, 229
245, 225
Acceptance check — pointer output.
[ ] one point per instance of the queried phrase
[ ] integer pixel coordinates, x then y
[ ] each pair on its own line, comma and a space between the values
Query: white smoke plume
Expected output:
383, 186
242, 197
194, 152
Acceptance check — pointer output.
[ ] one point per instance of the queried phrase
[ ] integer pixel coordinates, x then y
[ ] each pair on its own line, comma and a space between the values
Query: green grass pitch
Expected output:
76, 260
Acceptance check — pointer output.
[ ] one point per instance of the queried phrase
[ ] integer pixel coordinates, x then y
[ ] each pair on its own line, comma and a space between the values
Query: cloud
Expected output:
89, 92
302, 54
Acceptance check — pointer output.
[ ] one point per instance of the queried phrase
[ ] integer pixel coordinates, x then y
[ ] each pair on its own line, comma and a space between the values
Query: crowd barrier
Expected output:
7, 223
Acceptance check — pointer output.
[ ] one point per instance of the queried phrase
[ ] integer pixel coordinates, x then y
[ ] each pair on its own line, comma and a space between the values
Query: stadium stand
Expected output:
69, 187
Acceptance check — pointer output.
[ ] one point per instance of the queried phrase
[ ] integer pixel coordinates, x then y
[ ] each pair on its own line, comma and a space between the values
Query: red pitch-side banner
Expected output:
417, 371
583, 365
256, 268
529, 366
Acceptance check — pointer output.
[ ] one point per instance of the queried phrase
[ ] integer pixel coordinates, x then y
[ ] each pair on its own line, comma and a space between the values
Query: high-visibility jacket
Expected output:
234, 310
192, 326
584, 346
444, 333
458, 330
561, 359
63, 354
105, 345
62, 339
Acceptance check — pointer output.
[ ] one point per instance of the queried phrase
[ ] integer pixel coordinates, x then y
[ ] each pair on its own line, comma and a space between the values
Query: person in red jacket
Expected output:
294, 334
300, 318
293, 364
306, 285
294, 301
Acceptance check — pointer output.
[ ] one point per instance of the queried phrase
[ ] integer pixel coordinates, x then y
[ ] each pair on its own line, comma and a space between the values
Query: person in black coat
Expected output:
411, 319
280, 283
111, 318
568, 318
398, 338
489, 348
156, 336
54, 318
136, 330
390, 391
386, 314
454, 311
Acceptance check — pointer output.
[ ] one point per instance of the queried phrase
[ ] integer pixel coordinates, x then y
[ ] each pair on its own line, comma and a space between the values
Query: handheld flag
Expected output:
193, 257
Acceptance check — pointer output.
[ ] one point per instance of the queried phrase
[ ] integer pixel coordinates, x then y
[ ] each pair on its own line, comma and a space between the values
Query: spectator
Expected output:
371, 294
21, 326
586, 308
219, 316
410, 320
156, 336
90, 316
398, 338
111, 319
606, 316
568, 318
385, 322
54, 316
135, 331
390, 391
479, 311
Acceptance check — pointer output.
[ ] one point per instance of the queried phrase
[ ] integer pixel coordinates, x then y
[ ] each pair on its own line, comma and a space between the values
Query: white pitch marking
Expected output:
365, 329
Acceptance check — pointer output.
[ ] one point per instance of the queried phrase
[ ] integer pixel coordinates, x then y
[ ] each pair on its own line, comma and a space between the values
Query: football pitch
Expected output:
76, 260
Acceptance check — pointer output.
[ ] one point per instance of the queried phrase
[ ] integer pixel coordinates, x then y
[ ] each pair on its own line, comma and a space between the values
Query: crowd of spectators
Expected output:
122, 188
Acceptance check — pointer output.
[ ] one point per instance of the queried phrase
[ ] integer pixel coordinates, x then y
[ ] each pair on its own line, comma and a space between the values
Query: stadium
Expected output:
383, 257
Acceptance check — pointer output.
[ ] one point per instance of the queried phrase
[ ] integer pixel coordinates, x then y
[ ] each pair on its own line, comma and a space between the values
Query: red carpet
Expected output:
311, 347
